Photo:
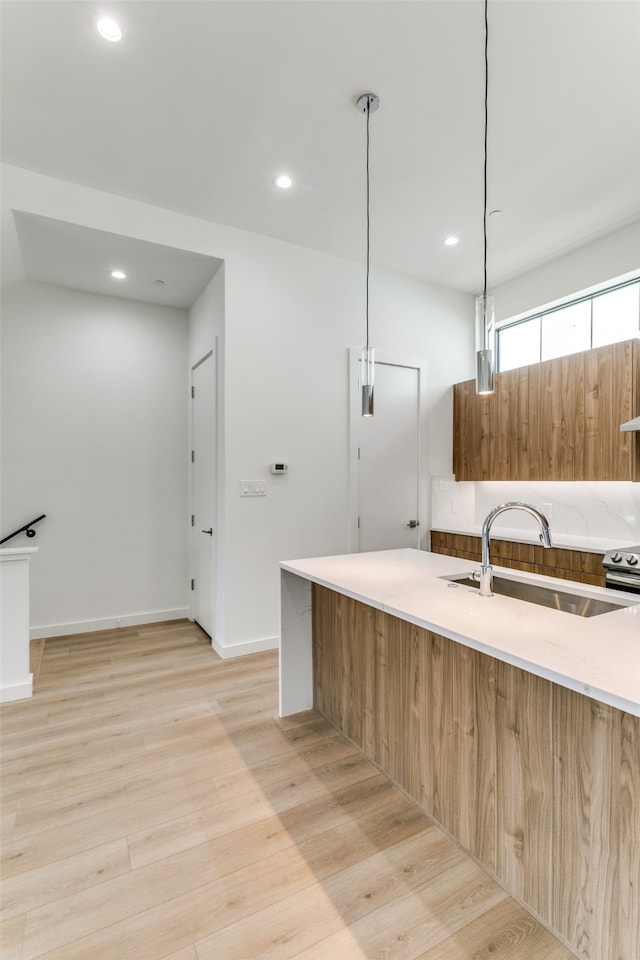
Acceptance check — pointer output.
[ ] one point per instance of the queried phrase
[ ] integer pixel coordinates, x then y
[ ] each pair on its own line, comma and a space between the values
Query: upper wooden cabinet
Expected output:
557, 420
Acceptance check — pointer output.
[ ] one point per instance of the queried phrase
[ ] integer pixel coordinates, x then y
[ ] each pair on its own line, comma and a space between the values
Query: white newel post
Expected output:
16, 680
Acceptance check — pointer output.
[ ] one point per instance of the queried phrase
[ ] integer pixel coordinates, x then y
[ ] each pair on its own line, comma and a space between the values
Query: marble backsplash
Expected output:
595, 516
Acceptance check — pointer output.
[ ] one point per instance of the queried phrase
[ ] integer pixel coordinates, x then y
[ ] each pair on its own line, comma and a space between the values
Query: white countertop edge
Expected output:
530, 666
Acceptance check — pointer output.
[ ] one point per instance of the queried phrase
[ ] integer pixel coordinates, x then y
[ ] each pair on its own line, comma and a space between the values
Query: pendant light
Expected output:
368, 103
485, 324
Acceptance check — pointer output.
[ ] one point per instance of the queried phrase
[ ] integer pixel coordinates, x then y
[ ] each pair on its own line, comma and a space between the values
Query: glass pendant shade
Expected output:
366, 379
485, 345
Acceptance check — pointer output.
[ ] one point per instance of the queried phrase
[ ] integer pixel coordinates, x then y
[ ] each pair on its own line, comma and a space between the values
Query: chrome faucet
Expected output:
486, 570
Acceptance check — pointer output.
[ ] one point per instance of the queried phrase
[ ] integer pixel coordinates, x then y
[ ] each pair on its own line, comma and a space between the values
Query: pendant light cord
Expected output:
367, 167
486, 124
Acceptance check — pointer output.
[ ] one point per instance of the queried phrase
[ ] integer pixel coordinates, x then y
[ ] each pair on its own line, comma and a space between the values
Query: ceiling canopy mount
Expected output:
368, 103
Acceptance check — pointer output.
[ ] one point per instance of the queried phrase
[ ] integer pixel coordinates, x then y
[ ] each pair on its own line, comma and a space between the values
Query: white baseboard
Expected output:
107, 623
17, 691
245, 648
225, 651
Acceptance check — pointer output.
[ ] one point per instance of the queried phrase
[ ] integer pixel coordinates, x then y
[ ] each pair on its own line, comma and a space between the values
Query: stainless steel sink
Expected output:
543, 596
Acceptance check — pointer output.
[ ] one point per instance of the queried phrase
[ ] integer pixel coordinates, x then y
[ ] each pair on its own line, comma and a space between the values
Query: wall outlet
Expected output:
547, 509
253, 488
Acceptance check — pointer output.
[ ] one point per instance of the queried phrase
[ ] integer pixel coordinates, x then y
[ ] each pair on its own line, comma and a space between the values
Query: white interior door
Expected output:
203, 480
388, 464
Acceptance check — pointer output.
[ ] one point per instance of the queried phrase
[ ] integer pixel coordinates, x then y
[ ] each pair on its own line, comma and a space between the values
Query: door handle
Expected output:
209, 531
413, 523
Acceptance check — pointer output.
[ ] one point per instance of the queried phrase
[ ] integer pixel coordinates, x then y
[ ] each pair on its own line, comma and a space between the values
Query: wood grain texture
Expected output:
541, 784
579, 565
462, 451
484, 425
536, 442
629, 831
525, 786
403, 679
599, 456
417, 920
500, 939
344, 667
556, 420
573, 419
434, 728
505, 429
462, 792
221, 832
36, 650
587, 744
486, 800
523, 413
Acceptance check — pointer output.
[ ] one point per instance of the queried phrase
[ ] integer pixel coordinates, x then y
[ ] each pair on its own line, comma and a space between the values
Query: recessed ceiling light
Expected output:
451, 241
109, 29
118, 275
495, 214
284, 181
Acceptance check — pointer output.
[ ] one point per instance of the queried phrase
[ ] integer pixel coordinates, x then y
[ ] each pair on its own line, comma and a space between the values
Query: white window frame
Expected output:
541, 312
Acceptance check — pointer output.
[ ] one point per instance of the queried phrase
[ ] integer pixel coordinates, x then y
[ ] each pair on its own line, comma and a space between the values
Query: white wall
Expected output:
286, 337
290, 315
594, 263
206, 320
287, 399
94, 434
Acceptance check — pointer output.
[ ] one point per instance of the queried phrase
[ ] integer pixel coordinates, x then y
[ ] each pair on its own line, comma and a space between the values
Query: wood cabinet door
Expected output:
557, 420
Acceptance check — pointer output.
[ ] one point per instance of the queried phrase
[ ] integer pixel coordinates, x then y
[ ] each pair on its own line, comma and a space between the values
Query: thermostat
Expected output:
279, 468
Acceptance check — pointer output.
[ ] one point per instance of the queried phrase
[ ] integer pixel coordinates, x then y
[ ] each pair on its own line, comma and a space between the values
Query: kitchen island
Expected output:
516, 727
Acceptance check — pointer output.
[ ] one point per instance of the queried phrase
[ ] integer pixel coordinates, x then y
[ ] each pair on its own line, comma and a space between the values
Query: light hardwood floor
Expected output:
154, 807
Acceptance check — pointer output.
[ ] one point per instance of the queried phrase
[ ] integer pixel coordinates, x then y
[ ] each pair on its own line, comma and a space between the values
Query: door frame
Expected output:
212, 353
397, 360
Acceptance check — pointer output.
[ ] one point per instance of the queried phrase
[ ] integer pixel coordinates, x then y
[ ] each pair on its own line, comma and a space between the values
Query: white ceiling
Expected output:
73, 256
203, 103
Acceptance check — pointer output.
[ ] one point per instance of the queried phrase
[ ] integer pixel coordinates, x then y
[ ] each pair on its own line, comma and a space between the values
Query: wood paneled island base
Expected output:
541, 784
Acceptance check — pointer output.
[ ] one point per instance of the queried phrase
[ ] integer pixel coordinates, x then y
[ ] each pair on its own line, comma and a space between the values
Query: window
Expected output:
615, 315
518, 344
607, 316
566, 331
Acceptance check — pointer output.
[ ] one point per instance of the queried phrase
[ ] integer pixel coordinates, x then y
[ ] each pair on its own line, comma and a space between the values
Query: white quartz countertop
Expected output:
597, 656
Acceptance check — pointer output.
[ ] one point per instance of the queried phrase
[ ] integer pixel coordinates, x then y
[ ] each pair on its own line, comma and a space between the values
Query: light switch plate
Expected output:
253, 488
